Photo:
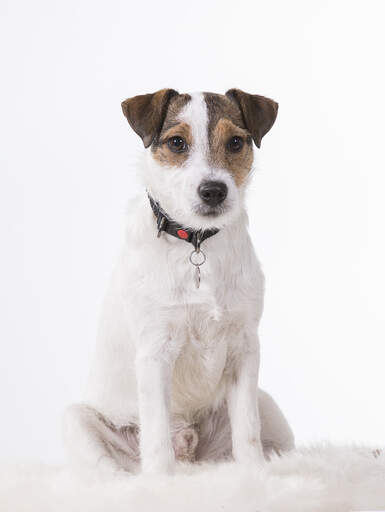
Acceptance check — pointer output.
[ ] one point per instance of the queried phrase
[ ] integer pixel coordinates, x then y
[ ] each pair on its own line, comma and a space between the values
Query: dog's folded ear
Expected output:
258, 112
146, 113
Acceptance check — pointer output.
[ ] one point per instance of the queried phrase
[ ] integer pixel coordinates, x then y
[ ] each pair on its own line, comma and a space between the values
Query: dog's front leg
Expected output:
154, 381
243, 410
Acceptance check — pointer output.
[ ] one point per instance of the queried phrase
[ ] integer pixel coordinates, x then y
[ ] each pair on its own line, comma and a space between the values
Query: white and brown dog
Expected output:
176, 369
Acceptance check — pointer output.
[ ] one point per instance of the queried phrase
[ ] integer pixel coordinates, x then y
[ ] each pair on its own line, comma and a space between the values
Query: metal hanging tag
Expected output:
197, 258
197, 277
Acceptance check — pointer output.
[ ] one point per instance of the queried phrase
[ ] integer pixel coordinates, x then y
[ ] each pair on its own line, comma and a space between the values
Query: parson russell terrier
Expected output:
175, 376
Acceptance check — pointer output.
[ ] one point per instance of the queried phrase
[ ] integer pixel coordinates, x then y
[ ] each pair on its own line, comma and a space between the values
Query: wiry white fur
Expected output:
170, 354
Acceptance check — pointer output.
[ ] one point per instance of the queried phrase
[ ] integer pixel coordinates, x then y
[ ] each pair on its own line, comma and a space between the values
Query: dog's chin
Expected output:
206, 217
210, 212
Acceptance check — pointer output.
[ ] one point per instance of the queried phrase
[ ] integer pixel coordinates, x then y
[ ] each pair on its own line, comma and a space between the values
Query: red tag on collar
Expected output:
182, 234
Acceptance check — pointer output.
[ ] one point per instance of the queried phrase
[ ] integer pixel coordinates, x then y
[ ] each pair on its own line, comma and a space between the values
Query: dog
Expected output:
175, 374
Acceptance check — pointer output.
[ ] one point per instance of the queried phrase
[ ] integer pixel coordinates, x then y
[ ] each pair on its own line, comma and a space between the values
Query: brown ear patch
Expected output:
259, 113
146, 113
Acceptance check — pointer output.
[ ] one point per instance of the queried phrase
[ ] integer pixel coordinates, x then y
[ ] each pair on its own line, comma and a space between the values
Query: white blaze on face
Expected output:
197, 167
195, 115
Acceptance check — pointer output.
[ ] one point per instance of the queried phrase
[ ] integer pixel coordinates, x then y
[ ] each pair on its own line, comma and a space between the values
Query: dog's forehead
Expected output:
222, 107
209, 107
176, 106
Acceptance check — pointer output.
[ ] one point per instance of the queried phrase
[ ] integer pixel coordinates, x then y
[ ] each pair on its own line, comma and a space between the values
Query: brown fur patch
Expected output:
175, 106
258, 112
171, 128
238, 164
146, 113
163, 154
226, 121
219, 106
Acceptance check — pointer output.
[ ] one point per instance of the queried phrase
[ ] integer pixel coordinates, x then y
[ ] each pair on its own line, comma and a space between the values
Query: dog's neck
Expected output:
172, 227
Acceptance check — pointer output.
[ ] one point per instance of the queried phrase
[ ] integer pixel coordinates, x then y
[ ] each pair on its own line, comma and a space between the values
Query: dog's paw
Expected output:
185, 442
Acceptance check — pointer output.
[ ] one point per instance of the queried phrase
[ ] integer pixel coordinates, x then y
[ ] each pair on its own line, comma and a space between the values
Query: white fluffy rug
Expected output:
323, 478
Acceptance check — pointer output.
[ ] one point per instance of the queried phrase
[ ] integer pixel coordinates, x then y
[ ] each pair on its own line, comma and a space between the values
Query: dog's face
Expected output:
200, 149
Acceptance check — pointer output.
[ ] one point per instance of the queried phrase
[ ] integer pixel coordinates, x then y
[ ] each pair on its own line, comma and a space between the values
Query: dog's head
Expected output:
200, 149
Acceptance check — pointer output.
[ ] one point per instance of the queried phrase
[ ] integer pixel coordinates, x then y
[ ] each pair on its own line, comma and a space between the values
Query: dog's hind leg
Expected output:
215, 431
276, 434
93, 441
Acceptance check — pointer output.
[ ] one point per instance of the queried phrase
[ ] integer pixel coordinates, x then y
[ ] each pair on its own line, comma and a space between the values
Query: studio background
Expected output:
316, 202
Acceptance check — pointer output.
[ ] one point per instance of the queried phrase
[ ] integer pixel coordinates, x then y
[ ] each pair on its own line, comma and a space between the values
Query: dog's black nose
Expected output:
212, 192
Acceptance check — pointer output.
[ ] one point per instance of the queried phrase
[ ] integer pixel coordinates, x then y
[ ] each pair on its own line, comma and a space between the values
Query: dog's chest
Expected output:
204, 327
209, 337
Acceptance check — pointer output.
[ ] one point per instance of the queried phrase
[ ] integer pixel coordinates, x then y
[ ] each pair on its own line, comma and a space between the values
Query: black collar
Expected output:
165, 223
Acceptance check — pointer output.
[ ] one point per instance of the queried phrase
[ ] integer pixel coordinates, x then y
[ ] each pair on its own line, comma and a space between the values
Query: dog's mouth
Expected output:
210, 211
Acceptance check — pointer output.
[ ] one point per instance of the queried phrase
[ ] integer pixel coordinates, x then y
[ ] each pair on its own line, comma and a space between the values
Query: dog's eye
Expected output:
235, 144
177, 144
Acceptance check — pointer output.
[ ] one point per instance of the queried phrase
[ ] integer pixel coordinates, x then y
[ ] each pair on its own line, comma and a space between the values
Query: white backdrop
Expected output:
316, 204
